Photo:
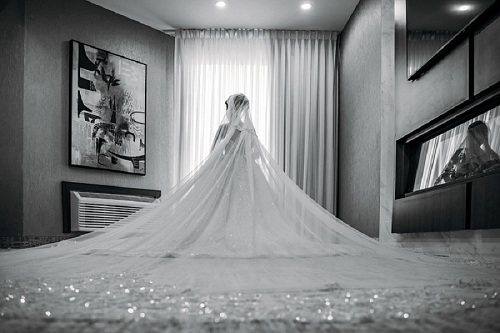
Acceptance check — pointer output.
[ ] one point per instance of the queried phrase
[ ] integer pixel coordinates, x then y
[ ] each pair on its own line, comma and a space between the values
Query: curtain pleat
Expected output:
290, 78
305, 74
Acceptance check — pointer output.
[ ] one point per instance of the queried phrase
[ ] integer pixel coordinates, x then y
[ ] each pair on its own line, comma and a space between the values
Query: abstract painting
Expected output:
108, 110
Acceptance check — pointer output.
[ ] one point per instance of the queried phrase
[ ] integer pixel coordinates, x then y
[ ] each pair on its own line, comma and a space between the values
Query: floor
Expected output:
130, 302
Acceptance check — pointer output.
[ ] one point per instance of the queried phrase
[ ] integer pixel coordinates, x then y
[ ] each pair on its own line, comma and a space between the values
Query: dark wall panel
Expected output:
11, 111
438, 210
485, 202
487, 57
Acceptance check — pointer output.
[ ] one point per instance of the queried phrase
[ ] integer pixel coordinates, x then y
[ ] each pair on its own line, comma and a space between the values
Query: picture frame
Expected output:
108, 110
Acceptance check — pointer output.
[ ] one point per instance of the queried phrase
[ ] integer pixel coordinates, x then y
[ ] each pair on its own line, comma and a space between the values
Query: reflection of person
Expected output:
475, 157
480, 159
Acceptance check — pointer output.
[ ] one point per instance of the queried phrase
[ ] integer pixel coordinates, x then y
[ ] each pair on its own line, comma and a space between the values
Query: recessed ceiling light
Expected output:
306, 6
464, 7
220, 4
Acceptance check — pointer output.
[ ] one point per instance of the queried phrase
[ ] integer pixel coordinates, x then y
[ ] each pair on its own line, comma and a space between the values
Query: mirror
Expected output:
430, 24
468, 149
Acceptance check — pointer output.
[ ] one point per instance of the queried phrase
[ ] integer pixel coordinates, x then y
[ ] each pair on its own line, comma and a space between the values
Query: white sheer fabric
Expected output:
304, 98
437, 153
237, 223
291, 79
209, 66
237, 204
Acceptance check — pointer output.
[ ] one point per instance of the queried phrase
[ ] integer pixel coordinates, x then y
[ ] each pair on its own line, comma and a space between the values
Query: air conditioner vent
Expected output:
116, 197
95, 211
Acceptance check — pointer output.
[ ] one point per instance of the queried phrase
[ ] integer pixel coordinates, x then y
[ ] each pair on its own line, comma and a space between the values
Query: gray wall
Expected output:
42, 115
360, 119
11, 126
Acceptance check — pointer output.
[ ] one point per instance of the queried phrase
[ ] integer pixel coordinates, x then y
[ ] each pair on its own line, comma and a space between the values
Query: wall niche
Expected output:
448, 170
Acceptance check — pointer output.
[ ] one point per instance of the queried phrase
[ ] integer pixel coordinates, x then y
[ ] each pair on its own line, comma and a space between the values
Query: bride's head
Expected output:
236, 106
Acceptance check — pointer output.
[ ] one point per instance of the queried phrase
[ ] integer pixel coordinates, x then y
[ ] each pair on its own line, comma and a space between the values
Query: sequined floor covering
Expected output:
129, 302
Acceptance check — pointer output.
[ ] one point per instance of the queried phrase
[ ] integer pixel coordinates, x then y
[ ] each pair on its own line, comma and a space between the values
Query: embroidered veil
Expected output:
237, 203
237, 222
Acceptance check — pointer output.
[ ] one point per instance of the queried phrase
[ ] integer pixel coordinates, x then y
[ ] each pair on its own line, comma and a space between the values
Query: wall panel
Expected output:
439, 210
485, 202
487, 57
11, 110
360, 119
437, 91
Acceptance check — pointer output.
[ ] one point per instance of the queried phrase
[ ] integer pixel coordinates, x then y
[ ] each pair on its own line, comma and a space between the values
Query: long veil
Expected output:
237, 203
235, 222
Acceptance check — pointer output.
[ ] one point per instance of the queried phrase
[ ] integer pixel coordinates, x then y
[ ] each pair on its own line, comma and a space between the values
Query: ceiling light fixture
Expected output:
306, 6
220, 4
464, 8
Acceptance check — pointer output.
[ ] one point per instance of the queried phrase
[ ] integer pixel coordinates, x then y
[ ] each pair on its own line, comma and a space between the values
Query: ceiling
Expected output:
168, 15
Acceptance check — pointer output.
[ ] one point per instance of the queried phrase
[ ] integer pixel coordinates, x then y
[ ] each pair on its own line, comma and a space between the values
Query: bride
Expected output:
237, 204
237, 222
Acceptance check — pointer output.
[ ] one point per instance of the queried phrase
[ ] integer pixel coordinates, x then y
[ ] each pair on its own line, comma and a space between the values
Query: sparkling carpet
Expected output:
127, 302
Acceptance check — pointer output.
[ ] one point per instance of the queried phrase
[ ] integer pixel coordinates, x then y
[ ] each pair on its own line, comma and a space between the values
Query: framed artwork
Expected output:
108, 110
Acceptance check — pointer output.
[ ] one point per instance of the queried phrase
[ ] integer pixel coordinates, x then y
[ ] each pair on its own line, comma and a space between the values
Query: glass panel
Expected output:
467, 150
422, 45
431, 24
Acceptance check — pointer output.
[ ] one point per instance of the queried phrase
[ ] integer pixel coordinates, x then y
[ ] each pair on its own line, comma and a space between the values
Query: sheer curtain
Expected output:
304, 83
290, 78
210, 65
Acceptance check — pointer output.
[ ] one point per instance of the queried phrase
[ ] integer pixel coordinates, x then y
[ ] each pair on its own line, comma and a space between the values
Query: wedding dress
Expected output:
236, 204
237, 222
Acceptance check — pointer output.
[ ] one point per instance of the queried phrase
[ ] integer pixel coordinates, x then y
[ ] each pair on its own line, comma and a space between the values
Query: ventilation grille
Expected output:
95, 211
